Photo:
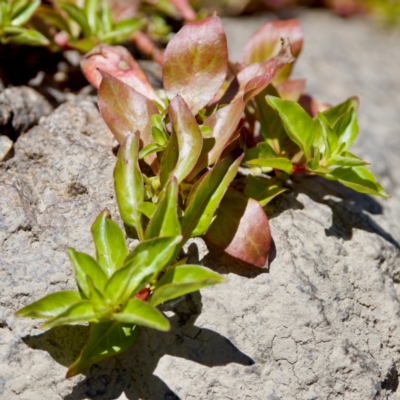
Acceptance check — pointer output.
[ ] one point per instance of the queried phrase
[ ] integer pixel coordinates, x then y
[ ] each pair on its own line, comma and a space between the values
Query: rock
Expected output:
6, 145
21, 108
322, 323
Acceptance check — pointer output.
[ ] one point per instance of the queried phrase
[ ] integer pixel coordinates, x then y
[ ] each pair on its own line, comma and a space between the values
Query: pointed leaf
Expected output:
169, 159
164, 221
84, 266
346, 160
79, 312
182, 280
298, 124
189, 137
90, 7
201, 195
111, 249
347, 129
223, 125
241, 228
150, 149
141, 313
334, 114
263, 190
280, 163
29, 37
25, 14
118, 62
359, 179
128, 183
147, 208
105, 340
126, 111
77, 15
195, 63
265, 44
51, 305
206, 217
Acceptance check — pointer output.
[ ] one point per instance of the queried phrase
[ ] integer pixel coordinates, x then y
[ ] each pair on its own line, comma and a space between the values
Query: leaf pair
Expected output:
109, 287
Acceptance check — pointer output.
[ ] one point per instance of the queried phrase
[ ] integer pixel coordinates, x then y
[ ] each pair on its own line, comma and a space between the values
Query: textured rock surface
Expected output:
323, 323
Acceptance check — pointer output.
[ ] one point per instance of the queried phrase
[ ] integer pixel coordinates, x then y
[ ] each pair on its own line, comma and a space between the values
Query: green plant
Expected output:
119, 291
15, 19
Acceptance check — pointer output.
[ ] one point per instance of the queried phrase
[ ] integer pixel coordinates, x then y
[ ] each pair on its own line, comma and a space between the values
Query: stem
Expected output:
145, 45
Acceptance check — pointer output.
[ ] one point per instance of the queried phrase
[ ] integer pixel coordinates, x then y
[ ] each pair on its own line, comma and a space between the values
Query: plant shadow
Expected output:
132, 372
350, 209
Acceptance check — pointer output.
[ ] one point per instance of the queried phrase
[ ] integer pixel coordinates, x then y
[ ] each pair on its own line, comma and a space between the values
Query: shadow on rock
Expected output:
349, 209
131, 373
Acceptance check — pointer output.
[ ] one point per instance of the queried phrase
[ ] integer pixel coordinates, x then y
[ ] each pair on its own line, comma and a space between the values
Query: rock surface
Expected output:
322, 323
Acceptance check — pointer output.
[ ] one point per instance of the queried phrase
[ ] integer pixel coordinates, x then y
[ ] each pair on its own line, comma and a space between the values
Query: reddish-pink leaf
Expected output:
195, 63
241, 228
312, 105
254, 78
266, 43
291, 90
118, 62
190, 139
126, 111
223, 125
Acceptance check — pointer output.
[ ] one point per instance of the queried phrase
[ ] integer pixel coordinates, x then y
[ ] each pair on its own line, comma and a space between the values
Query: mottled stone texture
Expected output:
322, 323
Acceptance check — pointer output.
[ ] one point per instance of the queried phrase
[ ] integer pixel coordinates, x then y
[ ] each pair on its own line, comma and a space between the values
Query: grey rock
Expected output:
322, 323
6, 145
21, 108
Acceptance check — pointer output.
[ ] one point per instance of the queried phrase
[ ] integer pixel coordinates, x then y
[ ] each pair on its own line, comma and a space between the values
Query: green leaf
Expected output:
150, 149
147, 208
23, 15
182, 280
164, 221
141, 313
359, 179
280, 163
263, 190
90, 7
298, 124
169, 159
347, 129
128, 183
51, 305
326, 140
265, 44
16, 6
105, 340
195, 63
262, 150
158, 130
202, 194
29, 37
143, 264
272, 128
241, 229
79, 312
77, 15
334, 114
189, 137
129, 25
84, 266
106, 17
111, 249
206, 217
346, 159
126, 111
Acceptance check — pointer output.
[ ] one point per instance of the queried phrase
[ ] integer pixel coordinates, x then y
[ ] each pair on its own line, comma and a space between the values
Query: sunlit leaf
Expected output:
265, 44
51, 305
334, 114
128, 183
241, 229
118, 62
105, 340
359, 179
77, 15
23, 15
29, 37
90, 8
141, 313
195, 63
169, 159
206, 217
111, 249
164, 221
82, 311
85, 265
147, 208
280, 163
182, 280
189, 137
126, 111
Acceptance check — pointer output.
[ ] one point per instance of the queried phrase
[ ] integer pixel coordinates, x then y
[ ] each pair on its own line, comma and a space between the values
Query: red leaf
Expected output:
223, 125
195, 63
265, 43
241, 228
118, 62
126, 111
291, 90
